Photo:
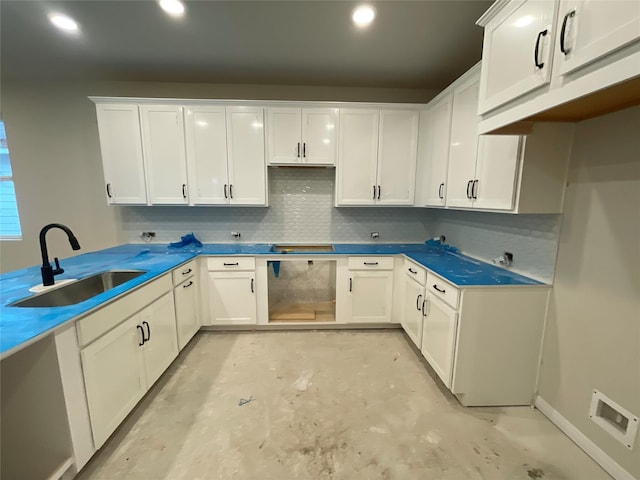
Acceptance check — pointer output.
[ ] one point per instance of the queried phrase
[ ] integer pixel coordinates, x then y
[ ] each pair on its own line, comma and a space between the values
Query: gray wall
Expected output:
592, 338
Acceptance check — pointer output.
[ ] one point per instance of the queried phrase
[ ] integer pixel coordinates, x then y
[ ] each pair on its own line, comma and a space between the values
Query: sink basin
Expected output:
76, 292
302, 248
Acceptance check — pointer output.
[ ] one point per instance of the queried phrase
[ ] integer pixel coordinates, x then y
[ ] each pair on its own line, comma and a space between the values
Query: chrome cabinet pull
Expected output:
536, 50
563, 32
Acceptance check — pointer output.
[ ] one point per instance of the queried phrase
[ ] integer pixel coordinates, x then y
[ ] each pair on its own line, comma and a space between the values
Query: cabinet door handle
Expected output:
184, 190
411, 270
563, 31
142, 332
351, 284
374, 192
230, 191
536, 51
474, 190
146, 324
187, 285
424, 302
379, 189
439, 290
370, 263
252, 280
231, 264
440, 195
298, 154
187, 272
418, 302
225, 191
468, 187
109, 190
304, 149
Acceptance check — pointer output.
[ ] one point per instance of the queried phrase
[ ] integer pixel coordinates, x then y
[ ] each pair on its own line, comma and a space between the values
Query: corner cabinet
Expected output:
301, 136
121, 149
376, 157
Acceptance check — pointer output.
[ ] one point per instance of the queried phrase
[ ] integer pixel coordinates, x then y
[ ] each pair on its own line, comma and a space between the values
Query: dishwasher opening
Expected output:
302, 291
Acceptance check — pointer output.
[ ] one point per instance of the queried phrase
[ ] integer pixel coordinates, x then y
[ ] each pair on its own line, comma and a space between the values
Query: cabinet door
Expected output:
247, 168
187, 321
496, 171
113, 369
357, 157
510, 66
283, 136
397, 150
232, 298
412, 308
164, 150
206, 142
319, 136
370, 296
433, 154
159, 323
464, 145
121, 149
439, 336
594, 29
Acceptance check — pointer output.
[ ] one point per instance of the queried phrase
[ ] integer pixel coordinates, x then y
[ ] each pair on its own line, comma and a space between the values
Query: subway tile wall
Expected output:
301, 210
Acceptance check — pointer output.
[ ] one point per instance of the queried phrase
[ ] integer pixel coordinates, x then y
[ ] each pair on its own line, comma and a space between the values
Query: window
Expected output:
9, 219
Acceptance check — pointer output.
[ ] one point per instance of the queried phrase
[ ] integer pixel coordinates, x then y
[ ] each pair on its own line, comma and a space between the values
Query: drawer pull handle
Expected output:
418, 302
563, 32
142, 332
436, 287
231, 264
109, 190
351, 284
371, 263
536, 51
187, 272
411, 270
252, 280
146, 324
187, 285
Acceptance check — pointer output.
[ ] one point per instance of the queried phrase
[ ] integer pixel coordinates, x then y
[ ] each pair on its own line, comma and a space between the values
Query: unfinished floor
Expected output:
324, 404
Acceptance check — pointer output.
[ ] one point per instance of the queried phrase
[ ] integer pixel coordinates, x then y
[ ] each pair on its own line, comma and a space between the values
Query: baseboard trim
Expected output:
582, 441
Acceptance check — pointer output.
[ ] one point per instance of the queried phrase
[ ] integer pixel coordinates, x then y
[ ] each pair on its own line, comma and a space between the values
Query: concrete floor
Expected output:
325, 404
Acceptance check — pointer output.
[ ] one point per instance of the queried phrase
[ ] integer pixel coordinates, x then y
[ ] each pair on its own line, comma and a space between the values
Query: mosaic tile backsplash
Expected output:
301, 210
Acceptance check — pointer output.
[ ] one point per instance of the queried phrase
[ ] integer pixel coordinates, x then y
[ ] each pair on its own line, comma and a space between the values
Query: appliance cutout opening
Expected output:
614, 419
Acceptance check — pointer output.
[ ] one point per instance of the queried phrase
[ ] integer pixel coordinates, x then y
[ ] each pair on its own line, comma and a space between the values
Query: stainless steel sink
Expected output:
76, 292
302, 248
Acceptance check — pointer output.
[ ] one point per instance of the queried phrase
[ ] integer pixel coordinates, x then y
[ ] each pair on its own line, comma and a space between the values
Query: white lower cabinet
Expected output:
160, 346
187, 302
439, 337
370, 289
232, 291
413, 306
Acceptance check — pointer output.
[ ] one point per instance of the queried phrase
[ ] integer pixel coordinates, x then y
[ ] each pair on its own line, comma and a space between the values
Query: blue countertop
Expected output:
21, 325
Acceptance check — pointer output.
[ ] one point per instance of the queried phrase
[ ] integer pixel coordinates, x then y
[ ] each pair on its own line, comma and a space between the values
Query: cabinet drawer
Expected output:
415, 271
183, 272
370, 263
100, 322
231, 263
443, 289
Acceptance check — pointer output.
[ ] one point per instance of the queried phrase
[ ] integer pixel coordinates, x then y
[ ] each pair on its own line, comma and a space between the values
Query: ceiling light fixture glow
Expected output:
172, 7
363, 15
63, 22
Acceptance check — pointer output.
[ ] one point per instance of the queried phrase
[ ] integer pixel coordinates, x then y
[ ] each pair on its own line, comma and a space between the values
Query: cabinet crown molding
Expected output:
490, 14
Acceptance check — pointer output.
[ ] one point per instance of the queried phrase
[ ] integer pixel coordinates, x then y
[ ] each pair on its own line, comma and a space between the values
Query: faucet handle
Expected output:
57, 270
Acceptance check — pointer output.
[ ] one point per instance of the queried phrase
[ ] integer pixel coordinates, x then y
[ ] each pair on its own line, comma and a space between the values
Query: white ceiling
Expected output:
411, 44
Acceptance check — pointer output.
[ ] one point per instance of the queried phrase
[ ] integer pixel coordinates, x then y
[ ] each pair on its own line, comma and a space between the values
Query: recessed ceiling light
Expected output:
172, 7
63, 22
363, 15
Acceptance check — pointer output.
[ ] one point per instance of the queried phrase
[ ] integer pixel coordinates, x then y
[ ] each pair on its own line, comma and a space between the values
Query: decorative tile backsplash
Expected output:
301, 210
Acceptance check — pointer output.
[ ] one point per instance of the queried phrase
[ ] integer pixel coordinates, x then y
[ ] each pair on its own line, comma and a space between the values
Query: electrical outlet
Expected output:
375, 235
236, 235
509, 257
148, 236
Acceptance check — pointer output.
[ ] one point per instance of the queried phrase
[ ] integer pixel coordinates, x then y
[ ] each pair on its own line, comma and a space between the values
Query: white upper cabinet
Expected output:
164, 153
433, 154
397, 150
206, 142
301, 136
121, 149
463, 144
516, 55
376, 157
591, 29
246, 163
356, 174
496, 173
